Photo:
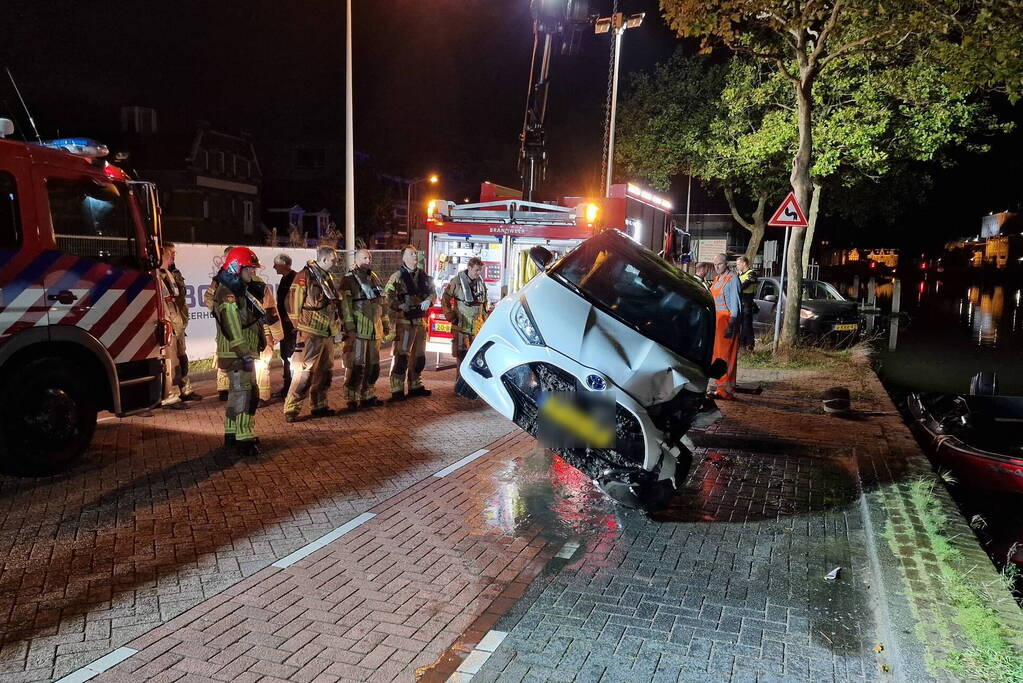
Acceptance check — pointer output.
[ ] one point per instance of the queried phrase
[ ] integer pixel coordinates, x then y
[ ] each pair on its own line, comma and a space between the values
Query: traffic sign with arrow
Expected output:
789, 215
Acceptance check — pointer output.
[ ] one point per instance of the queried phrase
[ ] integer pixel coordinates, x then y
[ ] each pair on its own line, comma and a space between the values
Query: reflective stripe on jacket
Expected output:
725, 289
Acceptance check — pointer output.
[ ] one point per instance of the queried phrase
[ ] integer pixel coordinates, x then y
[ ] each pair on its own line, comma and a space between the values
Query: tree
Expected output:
801, 39
732, 126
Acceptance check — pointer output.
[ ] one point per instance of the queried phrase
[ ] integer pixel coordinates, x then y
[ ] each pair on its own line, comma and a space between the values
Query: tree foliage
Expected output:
802, 39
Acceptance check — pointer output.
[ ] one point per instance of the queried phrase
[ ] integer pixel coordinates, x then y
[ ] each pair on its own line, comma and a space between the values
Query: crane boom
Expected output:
560, 21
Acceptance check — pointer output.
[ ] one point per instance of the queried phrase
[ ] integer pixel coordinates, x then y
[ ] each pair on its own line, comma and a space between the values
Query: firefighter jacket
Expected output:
748, 282
464, 301
405, 292
272, 320
173, 283
239, 324
362, 305
726, 293
313, 302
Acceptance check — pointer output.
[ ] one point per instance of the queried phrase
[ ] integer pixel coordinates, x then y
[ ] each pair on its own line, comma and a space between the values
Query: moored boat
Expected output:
978, 436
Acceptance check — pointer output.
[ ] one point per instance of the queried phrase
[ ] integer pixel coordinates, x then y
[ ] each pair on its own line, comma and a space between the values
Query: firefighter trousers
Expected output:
242, 400
362, 368
460, 348
409, 355
312, 368
728, 349
262, 375
175, 368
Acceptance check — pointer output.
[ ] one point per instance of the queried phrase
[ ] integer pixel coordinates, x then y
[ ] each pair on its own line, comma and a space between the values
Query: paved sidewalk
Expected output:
157, 519
476, 555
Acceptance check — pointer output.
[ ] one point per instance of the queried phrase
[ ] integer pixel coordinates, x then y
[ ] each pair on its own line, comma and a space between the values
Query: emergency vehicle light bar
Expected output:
82, 147
515, 211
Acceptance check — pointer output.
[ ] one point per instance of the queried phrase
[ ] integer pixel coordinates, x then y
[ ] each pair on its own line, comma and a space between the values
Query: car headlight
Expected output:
807, 314
525, 325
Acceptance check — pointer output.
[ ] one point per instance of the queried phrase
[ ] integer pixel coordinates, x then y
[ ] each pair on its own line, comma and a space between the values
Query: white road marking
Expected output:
90, 671
310, 548
464, 461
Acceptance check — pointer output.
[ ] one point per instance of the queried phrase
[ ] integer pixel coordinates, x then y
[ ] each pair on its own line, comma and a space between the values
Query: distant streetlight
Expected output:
618, 23
433, 179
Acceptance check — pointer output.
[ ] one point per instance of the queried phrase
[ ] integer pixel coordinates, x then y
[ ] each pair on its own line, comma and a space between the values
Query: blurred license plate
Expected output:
846, 327
442, 327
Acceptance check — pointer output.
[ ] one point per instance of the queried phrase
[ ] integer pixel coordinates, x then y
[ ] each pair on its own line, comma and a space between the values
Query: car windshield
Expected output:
643, 291
815, 290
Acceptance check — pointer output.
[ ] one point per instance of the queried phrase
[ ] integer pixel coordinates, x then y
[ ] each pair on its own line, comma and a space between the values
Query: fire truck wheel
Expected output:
47, 422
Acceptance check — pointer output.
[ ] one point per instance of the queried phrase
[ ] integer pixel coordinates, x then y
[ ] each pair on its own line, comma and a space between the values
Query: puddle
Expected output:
543, 492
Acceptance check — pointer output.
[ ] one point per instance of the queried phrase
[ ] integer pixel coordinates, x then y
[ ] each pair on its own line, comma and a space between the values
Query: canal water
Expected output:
948, 331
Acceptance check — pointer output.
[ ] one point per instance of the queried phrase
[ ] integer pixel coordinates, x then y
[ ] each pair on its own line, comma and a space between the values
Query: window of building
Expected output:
93, 221
10, 215
217, 162
248, 217
243, 168
205, 207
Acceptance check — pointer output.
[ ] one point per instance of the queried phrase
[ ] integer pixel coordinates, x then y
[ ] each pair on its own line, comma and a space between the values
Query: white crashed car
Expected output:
612, 321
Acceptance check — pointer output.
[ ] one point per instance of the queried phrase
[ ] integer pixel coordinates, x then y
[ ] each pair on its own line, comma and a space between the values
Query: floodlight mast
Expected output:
553, 20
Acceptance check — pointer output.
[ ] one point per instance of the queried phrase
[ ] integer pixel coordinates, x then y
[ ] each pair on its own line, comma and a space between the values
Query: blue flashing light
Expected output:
83, 147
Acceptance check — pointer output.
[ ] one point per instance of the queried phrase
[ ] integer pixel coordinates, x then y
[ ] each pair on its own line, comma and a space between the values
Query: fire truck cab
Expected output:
81, 318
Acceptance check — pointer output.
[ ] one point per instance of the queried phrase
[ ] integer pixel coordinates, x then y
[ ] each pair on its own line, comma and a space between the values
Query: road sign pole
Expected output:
781, 290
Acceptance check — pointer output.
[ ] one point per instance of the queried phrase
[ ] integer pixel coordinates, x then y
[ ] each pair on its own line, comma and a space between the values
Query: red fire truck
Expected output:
502, 228
81, 320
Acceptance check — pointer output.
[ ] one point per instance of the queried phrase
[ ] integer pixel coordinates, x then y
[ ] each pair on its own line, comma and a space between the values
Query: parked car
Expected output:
610, 322
824, 314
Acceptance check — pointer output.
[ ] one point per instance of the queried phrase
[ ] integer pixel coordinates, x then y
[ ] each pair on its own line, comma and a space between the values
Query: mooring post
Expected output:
896, 296
872, 293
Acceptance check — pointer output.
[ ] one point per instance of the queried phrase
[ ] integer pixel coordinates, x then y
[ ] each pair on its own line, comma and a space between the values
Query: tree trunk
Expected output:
815, 203
801, 187
756, 229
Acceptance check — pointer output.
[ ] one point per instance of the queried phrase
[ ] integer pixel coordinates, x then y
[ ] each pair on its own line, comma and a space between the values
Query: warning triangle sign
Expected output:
789, 215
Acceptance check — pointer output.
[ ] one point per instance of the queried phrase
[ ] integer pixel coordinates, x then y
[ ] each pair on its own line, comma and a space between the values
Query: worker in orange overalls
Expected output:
725, 289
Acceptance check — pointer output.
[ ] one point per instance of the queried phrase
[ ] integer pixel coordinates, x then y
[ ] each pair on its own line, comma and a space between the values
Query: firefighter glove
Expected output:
425, 305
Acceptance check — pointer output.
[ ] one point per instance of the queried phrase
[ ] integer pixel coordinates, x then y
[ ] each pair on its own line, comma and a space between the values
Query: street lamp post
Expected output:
618, 23
349, 143
408, 210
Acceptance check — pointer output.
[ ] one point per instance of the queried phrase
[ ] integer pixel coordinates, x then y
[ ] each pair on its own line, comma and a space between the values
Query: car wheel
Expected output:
47, 418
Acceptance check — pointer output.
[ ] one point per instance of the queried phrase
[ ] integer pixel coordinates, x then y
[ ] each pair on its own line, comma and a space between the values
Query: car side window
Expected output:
92, 220
10, 215
767, 289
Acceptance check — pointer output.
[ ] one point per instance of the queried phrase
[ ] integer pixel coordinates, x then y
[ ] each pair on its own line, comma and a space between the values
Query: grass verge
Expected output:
802, 357
989, 656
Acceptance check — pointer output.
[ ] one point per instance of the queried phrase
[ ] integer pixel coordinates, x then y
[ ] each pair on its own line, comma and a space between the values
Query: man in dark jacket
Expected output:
282, 264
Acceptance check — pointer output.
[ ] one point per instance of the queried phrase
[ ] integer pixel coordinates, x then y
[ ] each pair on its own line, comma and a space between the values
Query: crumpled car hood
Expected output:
571, 325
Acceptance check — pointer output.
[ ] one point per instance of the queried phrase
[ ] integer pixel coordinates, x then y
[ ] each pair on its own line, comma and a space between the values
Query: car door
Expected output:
764, 318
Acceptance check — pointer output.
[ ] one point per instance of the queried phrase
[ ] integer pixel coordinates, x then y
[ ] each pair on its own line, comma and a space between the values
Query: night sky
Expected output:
440, 85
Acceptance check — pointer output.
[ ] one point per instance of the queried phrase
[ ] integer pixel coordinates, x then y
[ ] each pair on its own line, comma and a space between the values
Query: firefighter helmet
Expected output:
238, 258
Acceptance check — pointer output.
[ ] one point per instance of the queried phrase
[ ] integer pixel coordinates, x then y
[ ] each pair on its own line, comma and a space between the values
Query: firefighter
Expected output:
178, 387
365, 326
313, 307
725, 289
465, 306
409, 294
747, 306
239, 319
207, 300
282, 264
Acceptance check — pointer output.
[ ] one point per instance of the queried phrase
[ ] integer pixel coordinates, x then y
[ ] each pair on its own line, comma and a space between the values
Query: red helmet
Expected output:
238, 258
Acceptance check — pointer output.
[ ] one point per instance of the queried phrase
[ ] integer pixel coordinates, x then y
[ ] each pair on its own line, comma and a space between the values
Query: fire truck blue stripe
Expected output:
30, 275
6, 255
103, 284
137, 286
73, 276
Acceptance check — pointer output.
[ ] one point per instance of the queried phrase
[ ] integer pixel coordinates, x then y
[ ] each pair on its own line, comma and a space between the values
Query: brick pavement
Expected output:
158, 519
727, 584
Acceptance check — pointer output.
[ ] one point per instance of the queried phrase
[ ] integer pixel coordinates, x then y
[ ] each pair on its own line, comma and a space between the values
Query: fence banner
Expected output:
199, 263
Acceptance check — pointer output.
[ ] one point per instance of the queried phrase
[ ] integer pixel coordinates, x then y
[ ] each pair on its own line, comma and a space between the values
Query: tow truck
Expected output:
82, 325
